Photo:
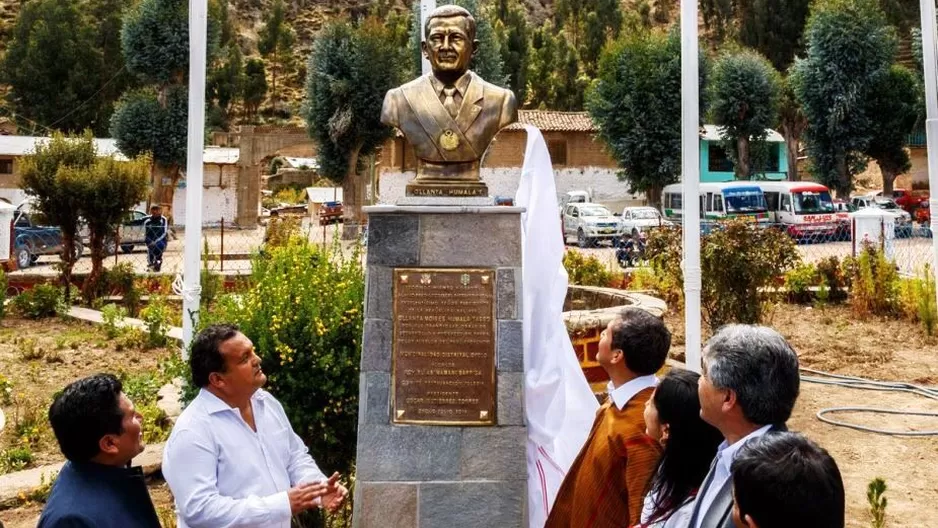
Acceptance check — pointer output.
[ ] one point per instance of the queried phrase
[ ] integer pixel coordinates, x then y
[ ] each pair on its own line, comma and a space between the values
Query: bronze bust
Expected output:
451, 115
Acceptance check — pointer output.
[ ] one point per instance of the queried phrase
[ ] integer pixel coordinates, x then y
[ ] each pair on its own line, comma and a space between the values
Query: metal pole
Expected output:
930, 63
198, 17
222, 244
426, 7
690, 175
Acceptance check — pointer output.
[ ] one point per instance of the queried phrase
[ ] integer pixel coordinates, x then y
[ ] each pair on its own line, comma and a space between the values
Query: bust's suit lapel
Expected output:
437, 119
471, 104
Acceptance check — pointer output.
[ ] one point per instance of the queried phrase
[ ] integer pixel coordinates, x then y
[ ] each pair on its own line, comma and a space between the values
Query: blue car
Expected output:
31, 241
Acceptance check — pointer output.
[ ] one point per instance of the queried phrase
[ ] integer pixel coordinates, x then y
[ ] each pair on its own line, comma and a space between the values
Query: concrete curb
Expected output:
94, 316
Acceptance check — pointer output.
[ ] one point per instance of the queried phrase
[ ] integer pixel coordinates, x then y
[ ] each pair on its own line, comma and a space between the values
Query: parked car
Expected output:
590, 223
32, 239
636, 220
903, 218
842, 210
908, 200
574, 197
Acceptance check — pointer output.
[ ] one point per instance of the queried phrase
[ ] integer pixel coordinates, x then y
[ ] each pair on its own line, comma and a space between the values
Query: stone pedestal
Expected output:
425, 475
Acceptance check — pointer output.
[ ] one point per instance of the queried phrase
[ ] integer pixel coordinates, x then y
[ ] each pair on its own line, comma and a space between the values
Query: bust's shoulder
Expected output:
419, 81
491, 88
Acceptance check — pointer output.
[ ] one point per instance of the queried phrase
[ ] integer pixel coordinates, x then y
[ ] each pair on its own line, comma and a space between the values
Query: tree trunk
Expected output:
653, 196
352, 188
68, 263
791, 147
743, 169
889, 179
90, 289
843, 178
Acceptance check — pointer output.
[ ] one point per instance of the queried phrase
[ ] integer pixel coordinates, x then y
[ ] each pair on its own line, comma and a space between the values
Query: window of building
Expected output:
771, 159
558, 152
719, 161
6, 166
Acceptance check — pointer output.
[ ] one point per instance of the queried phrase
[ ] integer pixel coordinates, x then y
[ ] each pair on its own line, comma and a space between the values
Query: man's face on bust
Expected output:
449, 47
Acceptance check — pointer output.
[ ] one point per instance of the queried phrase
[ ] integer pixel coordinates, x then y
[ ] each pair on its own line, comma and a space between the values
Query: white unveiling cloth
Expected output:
559, 404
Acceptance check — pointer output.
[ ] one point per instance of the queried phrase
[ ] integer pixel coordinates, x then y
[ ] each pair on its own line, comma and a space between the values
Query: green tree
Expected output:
744, 93
275, 42
893, 104
55, 68
635, 103
540, 90
511, 31
849, 47
108, 188
719, 17
600, 25
155, 42
255, 86
350, 70
57, 193
569, 85
792, 123
773, 28
226, 82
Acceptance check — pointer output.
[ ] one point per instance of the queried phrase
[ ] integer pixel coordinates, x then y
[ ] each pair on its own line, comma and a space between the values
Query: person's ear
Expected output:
665, 432
747, 520
215, 379
617, 356
108, 444
425, 49
475, 47
730, 399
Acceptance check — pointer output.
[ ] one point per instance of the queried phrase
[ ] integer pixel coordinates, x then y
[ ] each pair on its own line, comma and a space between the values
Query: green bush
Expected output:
586, 270
833, 280
15, 459
303, 311
121, 280
799, 281
917, 299
156, 316
43, 300
112, 316
738, 261
874, 283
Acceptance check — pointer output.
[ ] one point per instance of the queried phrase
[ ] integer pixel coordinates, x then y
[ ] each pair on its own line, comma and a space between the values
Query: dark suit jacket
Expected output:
415, 109
89, 495
720, 512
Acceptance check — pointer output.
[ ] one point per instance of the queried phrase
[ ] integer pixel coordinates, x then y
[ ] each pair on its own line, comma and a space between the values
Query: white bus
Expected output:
801, 209
718, 201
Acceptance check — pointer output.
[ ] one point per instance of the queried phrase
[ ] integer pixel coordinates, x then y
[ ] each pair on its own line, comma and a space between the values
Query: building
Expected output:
716, 166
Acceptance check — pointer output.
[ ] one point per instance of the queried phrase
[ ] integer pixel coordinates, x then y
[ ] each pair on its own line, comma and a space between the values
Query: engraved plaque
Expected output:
443, 369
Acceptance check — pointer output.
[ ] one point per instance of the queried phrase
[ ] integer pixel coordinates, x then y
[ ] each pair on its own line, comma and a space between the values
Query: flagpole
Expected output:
191, 290
690, 175
426, 7
930, 63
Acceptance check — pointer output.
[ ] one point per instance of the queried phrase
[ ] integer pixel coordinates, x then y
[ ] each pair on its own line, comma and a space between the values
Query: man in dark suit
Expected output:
451, 115
748, 387
99, 433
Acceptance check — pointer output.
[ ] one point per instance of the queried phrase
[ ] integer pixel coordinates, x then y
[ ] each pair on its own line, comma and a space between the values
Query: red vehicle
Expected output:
909, 201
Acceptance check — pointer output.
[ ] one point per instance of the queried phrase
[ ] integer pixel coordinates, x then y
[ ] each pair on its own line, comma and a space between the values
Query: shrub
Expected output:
4, 284
917, 300
833, 280
739, 261
15, 459
303, 311
281, 230
121, 280
156, 316
6, 390
112, 316
799, 281
43, 300
877, 502
586, 270
875, 283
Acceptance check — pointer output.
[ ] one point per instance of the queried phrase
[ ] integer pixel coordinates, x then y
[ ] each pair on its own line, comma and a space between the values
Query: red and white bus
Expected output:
803, 209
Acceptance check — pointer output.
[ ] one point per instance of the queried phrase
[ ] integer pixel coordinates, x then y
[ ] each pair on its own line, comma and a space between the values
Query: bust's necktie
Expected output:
449, 101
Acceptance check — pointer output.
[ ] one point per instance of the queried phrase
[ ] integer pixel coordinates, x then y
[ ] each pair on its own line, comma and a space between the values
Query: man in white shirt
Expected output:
233, 459
748, 387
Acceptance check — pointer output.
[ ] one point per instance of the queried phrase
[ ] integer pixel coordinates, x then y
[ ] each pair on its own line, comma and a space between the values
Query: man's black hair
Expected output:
643, 339
783, 480
205, 355
86, 411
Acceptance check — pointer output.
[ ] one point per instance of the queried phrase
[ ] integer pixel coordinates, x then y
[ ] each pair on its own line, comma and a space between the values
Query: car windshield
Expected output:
645, 214
594, 210
887, 204
808, 202
744, 200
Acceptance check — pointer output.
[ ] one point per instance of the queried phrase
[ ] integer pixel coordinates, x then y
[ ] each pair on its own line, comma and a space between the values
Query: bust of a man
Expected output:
451, 115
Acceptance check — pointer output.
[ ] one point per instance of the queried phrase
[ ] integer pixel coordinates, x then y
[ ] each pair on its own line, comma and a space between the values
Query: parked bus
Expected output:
718, 201
801, 209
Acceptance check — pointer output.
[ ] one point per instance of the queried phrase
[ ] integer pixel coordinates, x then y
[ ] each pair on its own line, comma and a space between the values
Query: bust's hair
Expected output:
447, 11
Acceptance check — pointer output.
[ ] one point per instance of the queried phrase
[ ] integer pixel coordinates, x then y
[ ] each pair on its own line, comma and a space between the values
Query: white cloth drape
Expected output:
559, 405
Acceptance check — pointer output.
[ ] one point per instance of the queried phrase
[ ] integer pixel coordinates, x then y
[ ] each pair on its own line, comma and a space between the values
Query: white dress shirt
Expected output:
629, 389
721, 472
223, 474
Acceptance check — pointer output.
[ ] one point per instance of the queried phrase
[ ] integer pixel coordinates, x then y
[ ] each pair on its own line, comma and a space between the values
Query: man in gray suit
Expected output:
748, 387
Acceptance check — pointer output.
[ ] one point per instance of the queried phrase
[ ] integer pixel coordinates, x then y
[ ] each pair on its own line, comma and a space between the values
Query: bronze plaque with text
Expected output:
443, 366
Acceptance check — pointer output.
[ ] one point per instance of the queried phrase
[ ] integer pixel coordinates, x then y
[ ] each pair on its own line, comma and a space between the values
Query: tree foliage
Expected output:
350, 70
744, 94
141, 125
773, 28
61, 65
512, 33
255, 86
555, 79
275, 41
792, 124
849, 48
893, 102
635, 103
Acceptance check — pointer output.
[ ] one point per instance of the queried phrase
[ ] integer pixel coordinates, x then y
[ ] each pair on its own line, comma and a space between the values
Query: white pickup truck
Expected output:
590, 223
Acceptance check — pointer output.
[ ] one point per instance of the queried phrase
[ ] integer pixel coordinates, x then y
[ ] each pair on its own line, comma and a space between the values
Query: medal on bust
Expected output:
449, 140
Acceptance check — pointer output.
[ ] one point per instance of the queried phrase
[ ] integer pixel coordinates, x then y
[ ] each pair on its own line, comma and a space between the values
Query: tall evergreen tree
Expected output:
511, 31
773, 28
255, 86
541, 68
850, 47
893, 104
275, 41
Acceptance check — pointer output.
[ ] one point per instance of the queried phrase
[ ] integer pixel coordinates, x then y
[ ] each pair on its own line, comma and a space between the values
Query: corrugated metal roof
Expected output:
297, 163
712, 133
25, 145
221, 155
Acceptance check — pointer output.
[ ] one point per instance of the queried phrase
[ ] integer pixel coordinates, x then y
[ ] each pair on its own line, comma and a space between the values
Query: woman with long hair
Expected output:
672, 417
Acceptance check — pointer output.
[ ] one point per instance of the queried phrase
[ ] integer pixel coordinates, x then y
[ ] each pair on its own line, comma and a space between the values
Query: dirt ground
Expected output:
68, 350
829, 339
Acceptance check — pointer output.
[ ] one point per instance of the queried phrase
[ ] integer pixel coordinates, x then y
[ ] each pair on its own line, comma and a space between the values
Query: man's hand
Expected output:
335, 494
303, 497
